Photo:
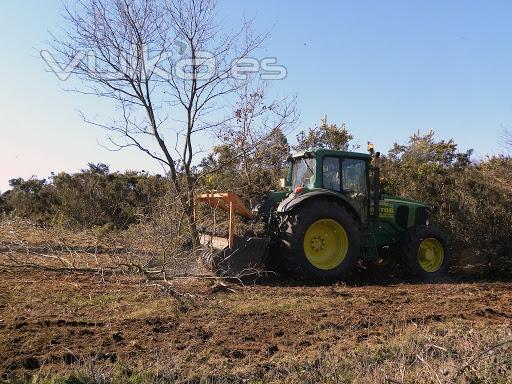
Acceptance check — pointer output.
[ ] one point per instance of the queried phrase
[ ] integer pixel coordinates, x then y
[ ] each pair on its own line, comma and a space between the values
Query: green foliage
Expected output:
32, 198
329, 136
93, 197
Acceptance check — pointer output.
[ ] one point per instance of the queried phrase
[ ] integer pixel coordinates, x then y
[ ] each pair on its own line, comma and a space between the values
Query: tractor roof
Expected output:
331, 152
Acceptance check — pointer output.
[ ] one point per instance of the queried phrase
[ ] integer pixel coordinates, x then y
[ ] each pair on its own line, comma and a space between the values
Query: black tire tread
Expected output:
408, 248
291, 241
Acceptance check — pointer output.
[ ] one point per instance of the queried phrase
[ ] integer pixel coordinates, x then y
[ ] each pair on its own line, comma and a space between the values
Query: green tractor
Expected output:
330, 214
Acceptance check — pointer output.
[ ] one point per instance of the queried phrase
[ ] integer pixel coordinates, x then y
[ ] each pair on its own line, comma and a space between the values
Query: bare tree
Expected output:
168, 67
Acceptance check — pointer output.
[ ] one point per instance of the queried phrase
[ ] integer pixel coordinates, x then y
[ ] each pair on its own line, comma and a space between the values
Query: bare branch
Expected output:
167, 66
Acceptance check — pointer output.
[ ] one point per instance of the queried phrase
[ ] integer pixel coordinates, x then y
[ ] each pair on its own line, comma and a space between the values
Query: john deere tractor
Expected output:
330, 214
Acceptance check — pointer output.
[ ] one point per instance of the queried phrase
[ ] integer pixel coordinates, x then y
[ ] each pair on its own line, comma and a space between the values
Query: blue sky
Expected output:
385, 68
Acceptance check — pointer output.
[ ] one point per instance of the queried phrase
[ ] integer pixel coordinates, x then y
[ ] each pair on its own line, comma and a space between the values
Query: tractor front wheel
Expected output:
424, 253
320, 242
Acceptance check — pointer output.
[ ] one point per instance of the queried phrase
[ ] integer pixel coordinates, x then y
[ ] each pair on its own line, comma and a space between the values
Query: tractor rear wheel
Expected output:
320, 242
424, 253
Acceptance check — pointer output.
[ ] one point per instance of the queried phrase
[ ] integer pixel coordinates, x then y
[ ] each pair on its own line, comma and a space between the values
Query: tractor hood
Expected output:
402, 211
403, 201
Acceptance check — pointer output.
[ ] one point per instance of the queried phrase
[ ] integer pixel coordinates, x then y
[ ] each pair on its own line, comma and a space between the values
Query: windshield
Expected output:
303, 172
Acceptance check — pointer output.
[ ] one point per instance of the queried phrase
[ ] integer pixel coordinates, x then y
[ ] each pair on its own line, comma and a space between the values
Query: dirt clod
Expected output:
31, 363
271, 350
238, 354
118, 337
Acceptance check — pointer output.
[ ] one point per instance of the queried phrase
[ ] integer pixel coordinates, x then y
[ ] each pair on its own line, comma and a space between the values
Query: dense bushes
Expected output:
92, 197
31, 198
471, 201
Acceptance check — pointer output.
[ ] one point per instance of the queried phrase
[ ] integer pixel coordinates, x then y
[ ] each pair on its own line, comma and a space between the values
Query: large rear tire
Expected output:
320, 242
424, 253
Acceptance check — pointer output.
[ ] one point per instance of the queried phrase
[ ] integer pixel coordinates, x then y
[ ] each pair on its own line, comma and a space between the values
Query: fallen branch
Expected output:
111, 271
222, 287
436, 347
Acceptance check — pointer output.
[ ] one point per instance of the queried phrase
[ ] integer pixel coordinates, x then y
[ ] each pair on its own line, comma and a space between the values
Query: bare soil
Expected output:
53, 324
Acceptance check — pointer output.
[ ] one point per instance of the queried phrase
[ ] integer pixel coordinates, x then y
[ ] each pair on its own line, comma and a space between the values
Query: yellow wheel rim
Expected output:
326, 244
430, 254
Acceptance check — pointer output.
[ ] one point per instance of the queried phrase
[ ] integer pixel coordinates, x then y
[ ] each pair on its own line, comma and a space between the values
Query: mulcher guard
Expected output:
247, 258
241, 257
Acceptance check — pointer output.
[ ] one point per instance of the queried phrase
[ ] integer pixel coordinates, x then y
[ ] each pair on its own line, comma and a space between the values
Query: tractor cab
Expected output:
345, 174
352, 179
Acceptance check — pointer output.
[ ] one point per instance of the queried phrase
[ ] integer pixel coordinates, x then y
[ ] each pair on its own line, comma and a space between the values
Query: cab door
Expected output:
348, 176
355, 184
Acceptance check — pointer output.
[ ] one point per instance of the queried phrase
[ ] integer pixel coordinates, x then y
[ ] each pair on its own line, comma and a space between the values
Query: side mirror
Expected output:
282, 183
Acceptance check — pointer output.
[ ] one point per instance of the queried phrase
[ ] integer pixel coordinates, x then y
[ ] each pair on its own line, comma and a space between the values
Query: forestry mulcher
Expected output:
329, 215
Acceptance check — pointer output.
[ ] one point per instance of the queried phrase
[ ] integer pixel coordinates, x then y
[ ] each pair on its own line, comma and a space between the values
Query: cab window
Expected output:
303, 172
331, 173
354, 175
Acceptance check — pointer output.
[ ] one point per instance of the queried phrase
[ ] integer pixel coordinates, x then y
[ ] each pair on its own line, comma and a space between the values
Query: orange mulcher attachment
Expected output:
239, 257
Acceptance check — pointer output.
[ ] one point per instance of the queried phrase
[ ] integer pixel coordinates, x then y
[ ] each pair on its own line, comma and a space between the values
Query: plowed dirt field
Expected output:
76, 326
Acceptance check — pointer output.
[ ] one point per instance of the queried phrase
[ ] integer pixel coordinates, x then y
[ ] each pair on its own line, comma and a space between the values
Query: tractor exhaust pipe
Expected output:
375, 182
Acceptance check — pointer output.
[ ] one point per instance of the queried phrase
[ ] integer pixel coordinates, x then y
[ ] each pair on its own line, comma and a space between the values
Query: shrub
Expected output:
471, 201
92, 197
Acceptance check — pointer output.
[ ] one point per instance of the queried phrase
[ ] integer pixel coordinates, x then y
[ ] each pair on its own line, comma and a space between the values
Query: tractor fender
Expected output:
293, 201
